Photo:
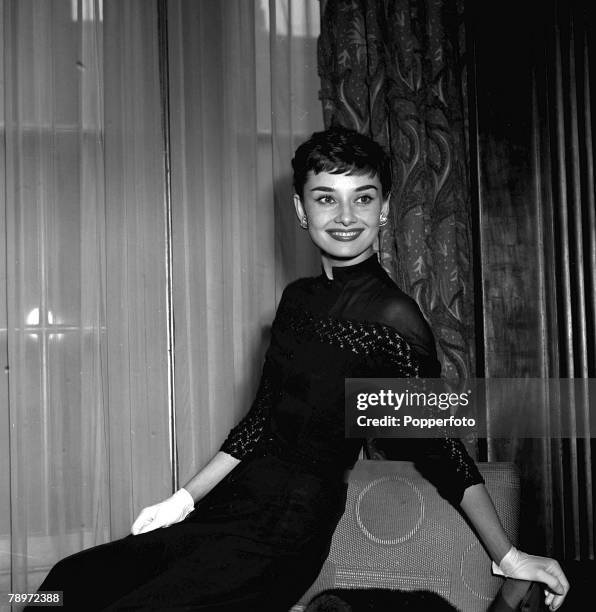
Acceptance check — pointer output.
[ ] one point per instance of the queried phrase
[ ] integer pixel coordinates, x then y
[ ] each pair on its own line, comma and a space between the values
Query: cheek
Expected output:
374, 212
317, 217
370, 217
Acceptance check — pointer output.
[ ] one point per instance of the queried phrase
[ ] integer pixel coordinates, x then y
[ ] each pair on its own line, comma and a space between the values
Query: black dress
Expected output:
259, 538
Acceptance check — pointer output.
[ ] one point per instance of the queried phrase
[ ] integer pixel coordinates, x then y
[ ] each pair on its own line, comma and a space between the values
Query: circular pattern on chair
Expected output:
390, 510
470, 569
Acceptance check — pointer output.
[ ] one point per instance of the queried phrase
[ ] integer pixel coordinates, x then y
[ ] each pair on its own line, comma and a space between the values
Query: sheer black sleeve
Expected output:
444, 461
403, 314
243, 438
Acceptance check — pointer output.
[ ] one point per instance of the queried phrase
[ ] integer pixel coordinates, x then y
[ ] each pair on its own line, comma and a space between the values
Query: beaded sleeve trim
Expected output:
243, 438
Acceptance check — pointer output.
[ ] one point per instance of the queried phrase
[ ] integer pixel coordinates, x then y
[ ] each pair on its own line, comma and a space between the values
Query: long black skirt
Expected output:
255, 542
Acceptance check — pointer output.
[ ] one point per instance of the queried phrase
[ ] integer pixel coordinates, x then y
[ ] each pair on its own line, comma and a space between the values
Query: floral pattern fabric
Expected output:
395, 70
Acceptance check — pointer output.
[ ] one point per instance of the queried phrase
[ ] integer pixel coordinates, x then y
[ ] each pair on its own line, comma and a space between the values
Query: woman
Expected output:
251, 530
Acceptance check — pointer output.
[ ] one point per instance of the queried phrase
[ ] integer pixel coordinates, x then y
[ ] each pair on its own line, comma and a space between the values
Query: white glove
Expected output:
172, 510
521, 566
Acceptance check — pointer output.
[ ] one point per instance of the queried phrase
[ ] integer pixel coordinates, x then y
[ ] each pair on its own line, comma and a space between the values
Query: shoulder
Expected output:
398, 308
300, 285
296, 291
399, 311
297, 295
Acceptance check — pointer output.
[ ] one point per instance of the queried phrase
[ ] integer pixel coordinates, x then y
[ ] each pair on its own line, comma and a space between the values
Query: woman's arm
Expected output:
206, 478
180, 505
478, 507
239, 444
448, 466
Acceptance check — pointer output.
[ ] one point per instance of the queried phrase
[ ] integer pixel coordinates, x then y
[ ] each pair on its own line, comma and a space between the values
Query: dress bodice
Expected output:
358, 324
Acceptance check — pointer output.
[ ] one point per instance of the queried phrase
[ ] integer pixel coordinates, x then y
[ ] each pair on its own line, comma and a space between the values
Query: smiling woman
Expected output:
252, 529
343, 197
342, 214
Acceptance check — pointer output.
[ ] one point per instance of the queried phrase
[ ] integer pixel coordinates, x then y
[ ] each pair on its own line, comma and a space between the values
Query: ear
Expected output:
385, 206
300, 212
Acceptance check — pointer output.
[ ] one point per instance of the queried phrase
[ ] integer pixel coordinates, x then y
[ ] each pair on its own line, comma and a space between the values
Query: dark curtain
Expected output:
563, 154
537, 245
394, 69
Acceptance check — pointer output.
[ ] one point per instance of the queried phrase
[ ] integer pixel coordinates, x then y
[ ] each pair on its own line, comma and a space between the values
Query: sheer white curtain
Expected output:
53, 241
84, 385
243, 94
85, 402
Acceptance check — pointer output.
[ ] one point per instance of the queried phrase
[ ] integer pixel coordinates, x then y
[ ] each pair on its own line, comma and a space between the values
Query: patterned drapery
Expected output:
394, 69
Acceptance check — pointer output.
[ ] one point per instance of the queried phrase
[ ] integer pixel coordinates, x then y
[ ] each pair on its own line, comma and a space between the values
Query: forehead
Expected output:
343, 181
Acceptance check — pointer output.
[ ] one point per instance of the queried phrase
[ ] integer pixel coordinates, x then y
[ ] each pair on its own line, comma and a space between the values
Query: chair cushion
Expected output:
398, 533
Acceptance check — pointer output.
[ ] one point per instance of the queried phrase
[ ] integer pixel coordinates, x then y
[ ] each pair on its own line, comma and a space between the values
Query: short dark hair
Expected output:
340, 150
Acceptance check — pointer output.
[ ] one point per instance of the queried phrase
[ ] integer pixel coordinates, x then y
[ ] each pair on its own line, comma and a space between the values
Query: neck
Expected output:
328, 262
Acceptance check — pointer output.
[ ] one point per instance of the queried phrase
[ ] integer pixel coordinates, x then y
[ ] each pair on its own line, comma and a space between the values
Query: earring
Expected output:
382, 220
304, 222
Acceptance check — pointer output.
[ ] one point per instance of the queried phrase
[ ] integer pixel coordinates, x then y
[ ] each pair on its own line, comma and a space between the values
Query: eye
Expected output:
325, 199
365, 199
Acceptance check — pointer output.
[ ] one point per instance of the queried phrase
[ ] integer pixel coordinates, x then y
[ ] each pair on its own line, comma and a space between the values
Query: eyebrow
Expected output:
331, 190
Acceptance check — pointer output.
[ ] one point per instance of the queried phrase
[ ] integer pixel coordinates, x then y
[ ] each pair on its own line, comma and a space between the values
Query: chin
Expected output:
344, 252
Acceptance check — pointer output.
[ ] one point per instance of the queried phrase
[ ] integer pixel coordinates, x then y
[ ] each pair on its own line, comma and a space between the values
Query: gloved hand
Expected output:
519, 565
172, 510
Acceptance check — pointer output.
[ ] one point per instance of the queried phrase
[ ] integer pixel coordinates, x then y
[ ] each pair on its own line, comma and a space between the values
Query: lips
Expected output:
345, 235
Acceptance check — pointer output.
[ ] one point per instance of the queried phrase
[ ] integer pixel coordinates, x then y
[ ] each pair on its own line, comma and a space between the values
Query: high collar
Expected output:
344, 274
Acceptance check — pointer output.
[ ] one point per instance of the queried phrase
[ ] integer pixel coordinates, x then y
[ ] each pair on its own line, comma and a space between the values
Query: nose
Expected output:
345, 215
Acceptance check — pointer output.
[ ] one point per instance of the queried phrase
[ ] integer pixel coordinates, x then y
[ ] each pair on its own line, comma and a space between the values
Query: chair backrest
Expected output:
398, 533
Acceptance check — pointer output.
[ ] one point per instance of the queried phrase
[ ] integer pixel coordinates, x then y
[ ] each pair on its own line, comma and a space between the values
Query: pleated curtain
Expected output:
243, 94
563, 165
536, 250
144, 158
84, 437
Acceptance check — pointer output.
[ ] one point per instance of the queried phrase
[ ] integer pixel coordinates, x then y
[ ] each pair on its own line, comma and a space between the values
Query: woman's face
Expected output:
343, 213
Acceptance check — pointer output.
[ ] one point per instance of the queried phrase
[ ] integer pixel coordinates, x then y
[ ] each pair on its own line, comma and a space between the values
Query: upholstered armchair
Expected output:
398, 533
